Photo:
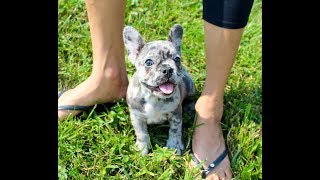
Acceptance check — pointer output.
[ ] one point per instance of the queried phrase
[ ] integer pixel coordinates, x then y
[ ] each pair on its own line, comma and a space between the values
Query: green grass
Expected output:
99, 145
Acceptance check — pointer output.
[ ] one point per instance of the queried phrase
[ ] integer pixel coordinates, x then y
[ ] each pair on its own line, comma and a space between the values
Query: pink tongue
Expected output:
166, 88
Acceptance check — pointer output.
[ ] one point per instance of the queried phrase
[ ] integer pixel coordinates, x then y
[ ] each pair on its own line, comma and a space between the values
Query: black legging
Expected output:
231, 14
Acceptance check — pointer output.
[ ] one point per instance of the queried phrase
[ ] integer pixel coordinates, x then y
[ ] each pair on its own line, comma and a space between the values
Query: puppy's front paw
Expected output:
143, 147
175, 143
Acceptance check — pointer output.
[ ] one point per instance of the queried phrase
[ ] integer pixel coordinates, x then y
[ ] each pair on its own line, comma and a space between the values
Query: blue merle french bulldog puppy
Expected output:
160, 88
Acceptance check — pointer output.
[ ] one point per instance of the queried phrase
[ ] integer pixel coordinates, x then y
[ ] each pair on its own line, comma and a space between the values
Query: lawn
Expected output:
99, 144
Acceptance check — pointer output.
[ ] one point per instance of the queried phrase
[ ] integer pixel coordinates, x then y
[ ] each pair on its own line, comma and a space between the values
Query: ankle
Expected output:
109, 63
112, 73
209, 108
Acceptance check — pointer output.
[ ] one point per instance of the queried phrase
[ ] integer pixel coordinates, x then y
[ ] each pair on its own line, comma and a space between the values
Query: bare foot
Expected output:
208, 142
108, 87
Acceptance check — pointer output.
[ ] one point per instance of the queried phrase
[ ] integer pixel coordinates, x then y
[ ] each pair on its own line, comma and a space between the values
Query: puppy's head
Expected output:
158, 62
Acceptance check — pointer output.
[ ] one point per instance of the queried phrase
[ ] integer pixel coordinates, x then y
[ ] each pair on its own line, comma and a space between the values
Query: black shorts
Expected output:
231, 14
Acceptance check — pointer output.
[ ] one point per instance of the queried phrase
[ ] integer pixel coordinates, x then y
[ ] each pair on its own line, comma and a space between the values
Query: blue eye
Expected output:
149, 62
177, 59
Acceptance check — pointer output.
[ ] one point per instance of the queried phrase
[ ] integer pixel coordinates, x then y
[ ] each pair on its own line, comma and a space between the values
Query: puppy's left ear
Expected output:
133, 42
175, 36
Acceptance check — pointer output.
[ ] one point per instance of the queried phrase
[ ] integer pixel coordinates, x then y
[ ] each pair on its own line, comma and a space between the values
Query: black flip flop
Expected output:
72, 107
100, 107
215, 163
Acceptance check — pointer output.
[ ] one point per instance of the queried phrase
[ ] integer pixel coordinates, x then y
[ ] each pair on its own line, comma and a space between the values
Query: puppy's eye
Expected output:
177, 59
149, 62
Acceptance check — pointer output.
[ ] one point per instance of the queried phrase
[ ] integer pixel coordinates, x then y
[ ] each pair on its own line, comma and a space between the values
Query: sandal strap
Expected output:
61, 92
74, 107
214, 164
196, 161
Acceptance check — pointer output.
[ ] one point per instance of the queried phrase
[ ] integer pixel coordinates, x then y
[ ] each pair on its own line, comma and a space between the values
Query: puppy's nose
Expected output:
167, 71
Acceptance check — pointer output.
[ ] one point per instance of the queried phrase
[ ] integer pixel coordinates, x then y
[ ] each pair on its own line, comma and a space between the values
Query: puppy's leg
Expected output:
175, 131
141, 131
189, 106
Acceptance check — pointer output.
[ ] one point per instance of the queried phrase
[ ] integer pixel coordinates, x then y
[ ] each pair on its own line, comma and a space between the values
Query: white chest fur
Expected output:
157, 110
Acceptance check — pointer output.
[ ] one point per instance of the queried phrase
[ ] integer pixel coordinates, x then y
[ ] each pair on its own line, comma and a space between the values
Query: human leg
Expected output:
223, 31
108, 80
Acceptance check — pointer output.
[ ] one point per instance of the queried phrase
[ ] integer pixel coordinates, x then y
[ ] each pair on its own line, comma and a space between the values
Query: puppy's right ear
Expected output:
133, 42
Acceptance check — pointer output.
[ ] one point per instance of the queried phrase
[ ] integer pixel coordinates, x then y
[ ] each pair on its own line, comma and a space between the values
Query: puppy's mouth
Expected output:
166, 88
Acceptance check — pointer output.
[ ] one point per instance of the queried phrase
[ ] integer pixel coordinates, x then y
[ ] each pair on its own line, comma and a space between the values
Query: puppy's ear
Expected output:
133, 42
175, 36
